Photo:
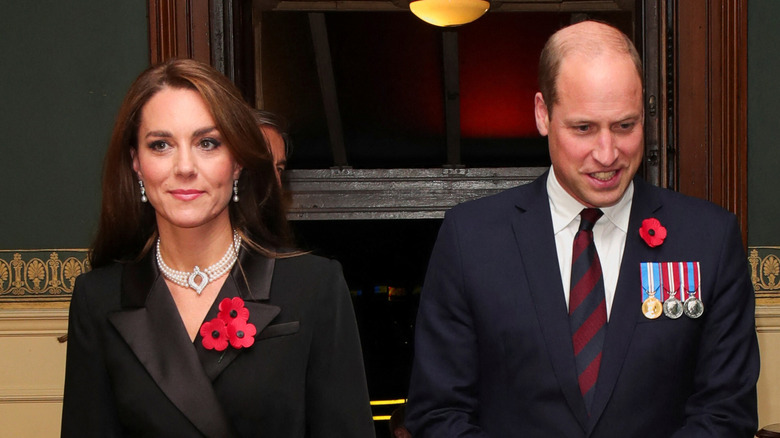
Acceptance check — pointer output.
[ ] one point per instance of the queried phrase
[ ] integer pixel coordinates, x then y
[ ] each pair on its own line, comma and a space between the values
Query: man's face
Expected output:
595, 134
276, 144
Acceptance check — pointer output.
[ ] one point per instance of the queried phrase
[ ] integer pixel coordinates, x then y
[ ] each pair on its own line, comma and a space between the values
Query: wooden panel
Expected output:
395, 193
768, 327
711, 130
33, 363
330, 101
449, 43
179, 29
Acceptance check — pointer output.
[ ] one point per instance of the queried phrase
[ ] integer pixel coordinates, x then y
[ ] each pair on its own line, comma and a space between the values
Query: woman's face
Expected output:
183, 161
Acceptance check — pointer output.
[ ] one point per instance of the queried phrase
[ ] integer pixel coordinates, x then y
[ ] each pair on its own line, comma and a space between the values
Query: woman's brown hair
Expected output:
127, 227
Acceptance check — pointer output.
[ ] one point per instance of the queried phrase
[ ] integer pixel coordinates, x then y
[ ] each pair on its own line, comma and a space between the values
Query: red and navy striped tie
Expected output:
587, 306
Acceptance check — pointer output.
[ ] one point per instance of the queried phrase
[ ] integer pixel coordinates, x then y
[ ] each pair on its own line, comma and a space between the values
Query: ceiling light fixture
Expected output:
447, 13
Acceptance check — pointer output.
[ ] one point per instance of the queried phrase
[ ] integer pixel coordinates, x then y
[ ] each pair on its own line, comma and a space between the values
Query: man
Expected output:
653, 336
273, 132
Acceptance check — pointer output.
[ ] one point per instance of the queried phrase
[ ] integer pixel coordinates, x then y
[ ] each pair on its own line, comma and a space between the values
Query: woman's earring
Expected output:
235, 190
143, 191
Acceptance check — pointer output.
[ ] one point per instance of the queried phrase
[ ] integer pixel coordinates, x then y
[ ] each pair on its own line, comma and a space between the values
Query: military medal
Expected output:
651, 306
673, 308
693, 306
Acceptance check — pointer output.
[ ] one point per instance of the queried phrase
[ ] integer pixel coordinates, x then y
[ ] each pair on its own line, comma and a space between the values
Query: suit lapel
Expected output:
627, 300
533, 231
251, 280
150, 325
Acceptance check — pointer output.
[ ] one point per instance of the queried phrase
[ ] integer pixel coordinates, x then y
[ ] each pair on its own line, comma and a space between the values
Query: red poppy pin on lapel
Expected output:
652, 232
231, 326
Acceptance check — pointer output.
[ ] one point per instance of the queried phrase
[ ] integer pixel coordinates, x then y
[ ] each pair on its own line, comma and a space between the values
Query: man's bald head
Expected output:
587, 38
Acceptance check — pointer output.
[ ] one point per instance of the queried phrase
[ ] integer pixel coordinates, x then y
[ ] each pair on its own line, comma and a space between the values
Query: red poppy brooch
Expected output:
652, 232
231, 326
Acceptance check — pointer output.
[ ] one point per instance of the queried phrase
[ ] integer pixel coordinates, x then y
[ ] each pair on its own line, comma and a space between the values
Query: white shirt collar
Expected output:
565, 208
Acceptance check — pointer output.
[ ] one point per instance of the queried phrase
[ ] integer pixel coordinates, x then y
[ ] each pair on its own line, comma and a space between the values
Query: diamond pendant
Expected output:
198, 285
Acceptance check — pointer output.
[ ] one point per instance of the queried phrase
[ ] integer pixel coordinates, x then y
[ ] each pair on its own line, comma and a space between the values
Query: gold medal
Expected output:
652, 308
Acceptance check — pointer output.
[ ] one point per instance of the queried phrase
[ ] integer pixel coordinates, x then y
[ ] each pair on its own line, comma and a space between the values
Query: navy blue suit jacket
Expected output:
493, 351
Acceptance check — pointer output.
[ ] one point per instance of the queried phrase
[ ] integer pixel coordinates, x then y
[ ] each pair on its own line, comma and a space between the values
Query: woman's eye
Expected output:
158, 145
209, 143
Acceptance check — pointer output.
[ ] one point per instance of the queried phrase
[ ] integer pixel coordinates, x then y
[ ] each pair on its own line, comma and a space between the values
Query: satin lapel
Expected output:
533, 231
157, 336
627, 300
251, 280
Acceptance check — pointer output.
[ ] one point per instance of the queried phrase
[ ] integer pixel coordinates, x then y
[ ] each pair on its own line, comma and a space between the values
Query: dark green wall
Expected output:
763, 123
64, 68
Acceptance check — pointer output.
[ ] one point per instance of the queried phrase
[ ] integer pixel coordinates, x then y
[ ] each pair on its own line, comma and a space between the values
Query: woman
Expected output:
195, 321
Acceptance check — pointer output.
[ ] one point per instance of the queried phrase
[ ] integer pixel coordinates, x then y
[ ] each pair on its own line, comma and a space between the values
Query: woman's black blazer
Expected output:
133, 371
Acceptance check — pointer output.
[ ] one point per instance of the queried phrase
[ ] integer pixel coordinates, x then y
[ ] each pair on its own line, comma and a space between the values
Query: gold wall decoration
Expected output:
765, 270
40, 275
49, 275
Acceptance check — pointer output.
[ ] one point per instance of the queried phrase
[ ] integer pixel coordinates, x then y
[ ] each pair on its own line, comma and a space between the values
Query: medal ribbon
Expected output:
689, 278
651, 273
683, 282
692, 277
668, 283
675, 274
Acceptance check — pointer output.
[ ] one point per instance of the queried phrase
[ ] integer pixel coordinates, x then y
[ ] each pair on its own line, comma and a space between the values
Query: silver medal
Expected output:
673, 308
694, 308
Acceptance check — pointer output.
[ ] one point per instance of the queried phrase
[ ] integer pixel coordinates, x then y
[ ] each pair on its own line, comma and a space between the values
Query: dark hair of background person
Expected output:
267, 118
127, 228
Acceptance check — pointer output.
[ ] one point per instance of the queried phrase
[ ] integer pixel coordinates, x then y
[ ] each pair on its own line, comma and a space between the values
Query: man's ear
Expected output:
541, 114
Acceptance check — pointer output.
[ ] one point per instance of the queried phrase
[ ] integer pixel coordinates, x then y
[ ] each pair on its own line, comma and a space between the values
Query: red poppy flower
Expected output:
652, 232
232, 309
241, 333
215, 334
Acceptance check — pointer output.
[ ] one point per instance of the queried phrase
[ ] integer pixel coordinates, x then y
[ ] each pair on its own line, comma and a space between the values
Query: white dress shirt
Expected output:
609, 234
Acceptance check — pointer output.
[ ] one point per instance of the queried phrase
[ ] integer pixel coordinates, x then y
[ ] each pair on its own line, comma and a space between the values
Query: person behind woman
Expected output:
272, 127
197, 319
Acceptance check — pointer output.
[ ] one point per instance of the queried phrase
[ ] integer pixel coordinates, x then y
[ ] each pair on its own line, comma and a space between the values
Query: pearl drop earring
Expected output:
143, 191
235, 190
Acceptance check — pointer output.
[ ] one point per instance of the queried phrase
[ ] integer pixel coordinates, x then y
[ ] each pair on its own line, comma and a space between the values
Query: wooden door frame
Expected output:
705, 149
709, 143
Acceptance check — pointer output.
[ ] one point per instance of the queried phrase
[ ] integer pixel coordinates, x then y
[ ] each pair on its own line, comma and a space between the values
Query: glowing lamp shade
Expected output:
449, 12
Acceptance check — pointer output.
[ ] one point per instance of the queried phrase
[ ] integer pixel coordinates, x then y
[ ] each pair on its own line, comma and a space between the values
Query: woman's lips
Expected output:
186, 195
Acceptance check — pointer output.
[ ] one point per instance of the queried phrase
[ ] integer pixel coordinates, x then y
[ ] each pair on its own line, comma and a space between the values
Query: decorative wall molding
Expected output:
768, 319
30, 395
49, 275
44, 275
765, 272
38, 322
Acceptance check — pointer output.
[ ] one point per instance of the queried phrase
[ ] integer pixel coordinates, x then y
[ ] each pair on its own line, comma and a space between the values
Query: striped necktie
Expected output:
587, 306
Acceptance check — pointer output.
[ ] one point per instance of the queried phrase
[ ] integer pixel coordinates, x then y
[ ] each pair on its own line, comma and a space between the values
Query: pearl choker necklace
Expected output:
198, 279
